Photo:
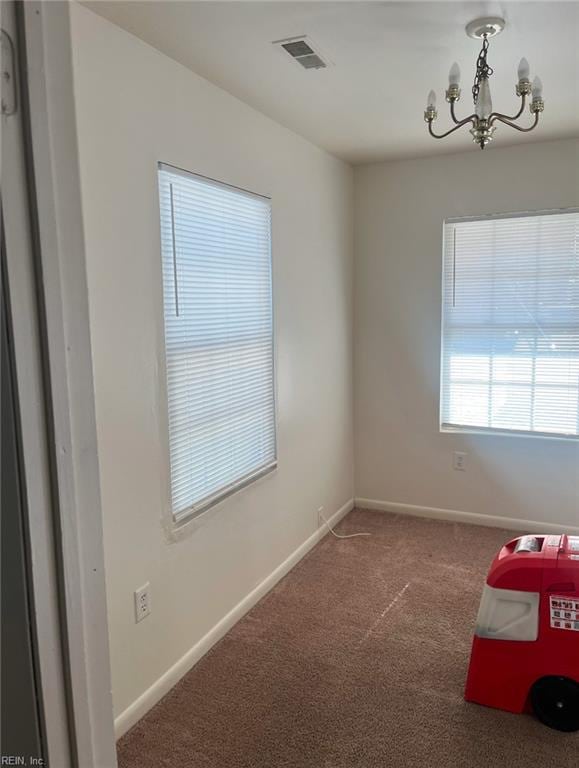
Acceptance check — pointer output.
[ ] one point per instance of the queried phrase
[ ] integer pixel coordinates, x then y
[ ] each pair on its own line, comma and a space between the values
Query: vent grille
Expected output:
303, 51
311, 62
297, 49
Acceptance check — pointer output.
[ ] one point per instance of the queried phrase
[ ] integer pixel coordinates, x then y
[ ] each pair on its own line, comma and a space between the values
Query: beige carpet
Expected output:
357, 659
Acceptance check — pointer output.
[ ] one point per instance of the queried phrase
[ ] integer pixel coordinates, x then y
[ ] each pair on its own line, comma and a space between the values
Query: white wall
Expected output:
400, 454
135, 107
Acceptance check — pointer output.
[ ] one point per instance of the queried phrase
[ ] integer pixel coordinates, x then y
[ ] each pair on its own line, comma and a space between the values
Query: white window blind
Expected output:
510, 325
217, 283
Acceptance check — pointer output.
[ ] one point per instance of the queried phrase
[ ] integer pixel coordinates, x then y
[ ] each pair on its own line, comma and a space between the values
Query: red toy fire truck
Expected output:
525, 653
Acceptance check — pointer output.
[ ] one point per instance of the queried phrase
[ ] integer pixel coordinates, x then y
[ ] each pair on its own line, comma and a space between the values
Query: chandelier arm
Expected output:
496, 115
518, 127
452, 130
455, 120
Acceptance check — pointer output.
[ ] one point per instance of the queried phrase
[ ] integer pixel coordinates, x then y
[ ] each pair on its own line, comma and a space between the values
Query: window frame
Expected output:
457, 429
176, 526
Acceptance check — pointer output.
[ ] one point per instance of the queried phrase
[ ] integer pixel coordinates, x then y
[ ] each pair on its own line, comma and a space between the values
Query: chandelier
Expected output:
483, 120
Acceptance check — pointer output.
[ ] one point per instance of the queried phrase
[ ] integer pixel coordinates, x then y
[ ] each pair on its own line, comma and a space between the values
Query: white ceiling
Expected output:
385, 57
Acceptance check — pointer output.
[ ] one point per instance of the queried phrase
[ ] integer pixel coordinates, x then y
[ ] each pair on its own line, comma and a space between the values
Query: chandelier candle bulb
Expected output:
430, 112
453, 90
454, 75
524, 70
537, 104
523, 87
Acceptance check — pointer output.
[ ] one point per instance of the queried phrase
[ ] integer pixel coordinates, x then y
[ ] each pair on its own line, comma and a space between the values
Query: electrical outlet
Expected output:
321, 515
459, 461
142, 602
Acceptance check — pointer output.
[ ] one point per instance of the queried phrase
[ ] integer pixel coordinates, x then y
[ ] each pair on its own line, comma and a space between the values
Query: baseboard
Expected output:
456, 516
163, 685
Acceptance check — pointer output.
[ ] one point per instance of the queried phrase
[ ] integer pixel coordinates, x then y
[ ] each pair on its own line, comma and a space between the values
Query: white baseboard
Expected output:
454, 515
135, 711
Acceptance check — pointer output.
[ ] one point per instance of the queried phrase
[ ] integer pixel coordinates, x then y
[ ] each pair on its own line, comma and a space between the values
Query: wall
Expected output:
401, 456
135, 107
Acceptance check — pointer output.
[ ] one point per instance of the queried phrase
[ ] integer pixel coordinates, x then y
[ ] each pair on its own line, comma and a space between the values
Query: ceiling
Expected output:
385, 57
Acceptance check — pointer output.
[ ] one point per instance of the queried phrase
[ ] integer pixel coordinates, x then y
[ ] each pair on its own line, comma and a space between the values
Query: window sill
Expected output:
491, 432
180, 528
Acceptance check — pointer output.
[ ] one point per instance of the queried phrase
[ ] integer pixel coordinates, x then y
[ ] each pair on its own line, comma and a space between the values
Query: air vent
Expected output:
303, 51
312, 61
298, 48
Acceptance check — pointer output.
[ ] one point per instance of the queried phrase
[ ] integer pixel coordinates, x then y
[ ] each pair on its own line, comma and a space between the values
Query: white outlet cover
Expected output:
142, 602
459, 461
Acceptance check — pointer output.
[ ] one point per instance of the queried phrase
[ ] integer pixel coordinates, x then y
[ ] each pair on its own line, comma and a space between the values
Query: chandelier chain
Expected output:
482, 69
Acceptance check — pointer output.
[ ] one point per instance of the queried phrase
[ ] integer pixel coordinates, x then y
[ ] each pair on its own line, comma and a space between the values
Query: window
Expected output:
510, 324
217, 285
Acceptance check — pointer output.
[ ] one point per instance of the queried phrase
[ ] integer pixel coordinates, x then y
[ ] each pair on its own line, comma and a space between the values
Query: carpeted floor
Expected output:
357, 659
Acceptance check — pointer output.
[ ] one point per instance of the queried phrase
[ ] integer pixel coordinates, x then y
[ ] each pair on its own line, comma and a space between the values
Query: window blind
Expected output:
510, 324
217, 286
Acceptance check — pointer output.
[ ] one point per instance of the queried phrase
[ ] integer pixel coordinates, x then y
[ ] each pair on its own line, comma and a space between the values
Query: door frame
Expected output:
46, 269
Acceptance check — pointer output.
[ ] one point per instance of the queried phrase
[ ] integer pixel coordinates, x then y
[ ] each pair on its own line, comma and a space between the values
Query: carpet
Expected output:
356, 659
